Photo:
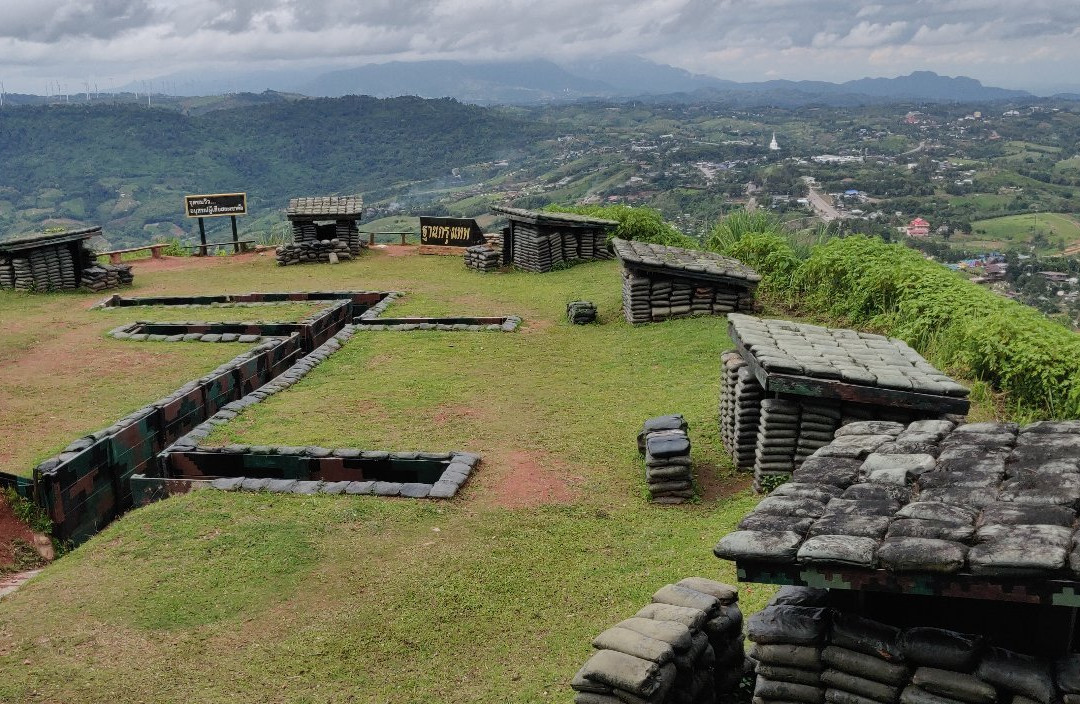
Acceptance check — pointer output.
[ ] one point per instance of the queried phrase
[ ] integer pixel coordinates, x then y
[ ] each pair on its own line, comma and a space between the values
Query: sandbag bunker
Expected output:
661, 282
685, 646
932, 564
787, 387
57, 262
540, 241
324, 230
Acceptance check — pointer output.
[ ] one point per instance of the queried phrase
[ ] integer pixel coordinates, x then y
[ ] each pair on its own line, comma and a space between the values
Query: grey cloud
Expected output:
52, 20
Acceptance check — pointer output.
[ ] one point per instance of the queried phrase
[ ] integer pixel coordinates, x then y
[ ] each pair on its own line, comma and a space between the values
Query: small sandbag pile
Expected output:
686, 646
581, 312
482, 257
102, 276
668, 471
313, 251
788, 640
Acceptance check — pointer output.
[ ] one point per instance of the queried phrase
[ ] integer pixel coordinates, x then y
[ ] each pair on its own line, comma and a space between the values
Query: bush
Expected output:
955, 323
641, 224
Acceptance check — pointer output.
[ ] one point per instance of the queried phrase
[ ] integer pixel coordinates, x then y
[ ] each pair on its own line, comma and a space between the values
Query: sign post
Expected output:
216, 205
448, 235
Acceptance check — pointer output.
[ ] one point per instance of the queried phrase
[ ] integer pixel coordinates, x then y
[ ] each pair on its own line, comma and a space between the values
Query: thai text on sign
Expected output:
215, 205
450, 232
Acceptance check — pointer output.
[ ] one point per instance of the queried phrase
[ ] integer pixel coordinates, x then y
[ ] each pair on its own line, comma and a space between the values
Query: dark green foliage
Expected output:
90, 155
642, 224
28, 512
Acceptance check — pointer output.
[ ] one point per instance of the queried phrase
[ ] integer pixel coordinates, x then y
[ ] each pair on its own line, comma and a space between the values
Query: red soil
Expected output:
526, 479
11, 529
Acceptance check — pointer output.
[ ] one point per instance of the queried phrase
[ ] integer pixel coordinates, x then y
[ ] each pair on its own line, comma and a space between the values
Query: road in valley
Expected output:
821, 205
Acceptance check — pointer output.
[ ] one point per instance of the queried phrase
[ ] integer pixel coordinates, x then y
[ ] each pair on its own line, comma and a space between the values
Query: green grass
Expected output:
1018, 230
491, 597
286, 312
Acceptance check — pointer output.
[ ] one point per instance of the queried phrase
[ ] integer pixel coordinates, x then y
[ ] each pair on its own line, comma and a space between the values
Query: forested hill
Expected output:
127, 167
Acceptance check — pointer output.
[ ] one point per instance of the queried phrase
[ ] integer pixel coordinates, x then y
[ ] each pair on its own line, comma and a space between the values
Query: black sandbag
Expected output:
878, 492
857, 507
937, 530
955, 685
852, 551
727, 621
863, 665
759, 545
626, 672
1070, 698
861, 686
937, 511
788, 691
921, 555
790, 506
937, 647
795, 625
839, 696
837, 471
596, 698
770, 523
1011, 513
861, 526
690, 598
779, 673
974, 496
917, 695
1067, 673
799, 596
1019, 674
633, 643
818, 492
802, 656
865, 636
972, 478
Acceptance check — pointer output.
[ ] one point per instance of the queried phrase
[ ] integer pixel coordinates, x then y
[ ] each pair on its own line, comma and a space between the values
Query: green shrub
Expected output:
955, 323
642, 224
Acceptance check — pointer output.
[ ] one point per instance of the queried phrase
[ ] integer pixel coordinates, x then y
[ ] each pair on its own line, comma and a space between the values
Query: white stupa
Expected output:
773, 146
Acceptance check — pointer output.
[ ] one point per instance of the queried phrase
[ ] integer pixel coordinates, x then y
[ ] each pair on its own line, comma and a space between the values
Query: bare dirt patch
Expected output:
397, 250
454, 414
11, 529
715, 485
149, 264
521, 479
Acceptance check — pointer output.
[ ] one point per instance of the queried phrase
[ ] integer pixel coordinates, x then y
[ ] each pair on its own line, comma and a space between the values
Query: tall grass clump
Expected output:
760, 241
954, 322
635, 223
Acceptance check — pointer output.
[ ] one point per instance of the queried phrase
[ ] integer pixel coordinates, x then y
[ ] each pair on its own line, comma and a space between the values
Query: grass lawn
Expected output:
1017, 230
491, 597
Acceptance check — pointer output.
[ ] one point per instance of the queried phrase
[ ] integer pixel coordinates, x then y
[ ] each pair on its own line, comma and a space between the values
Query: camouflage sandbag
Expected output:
867, 666
1018, 674
955, 685
865, 636
940, 648
792, 625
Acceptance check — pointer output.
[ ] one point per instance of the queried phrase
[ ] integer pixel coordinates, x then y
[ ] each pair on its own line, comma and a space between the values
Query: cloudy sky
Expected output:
1030, 44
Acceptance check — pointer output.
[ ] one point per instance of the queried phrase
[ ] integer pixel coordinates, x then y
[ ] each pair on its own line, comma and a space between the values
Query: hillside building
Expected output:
918, 228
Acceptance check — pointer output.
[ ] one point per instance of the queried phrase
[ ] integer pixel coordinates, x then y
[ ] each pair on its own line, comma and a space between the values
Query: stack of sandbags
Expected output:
481, 257
944, 662
494, 240
748, 398
7, 273
668, 471
636, 291
104, 276
24, 277
1067, 678
788, 641
730, 362
313, 251
685, 647
778, 433
817, 424
863, 662
581, 312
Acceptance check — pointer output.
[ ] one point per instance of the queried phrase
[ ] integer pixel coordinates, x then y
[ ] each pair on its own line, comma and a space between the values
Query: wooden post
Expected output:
371, 239
202, 238
235, 237
403, 238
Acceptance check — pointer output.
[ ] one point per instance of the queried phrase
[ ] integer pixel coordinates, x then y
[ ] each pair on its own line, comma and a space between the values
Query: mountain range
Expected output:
616, 77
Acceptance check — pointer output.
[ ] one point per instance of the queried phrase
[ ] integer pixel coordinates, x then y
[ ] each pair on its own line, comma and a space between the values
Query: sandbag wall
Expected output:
649, 297
665, 446
805, 651
60, 266
483, 257
774, 436
86, 486
685, 647
539, 249
313, 252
